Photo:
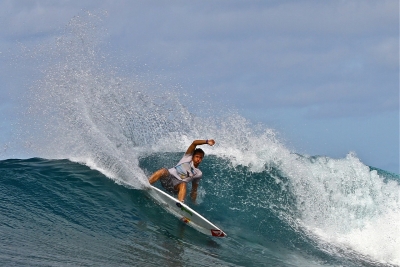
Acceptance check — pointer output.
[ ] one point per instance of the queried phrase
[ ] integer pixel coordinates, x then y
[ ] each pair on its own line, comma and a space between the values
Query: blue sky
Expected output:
324, 74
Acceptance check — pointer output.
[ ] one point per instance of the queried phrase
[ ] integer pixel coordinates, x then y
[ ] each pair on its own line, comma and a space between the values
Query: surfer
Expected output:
175, 179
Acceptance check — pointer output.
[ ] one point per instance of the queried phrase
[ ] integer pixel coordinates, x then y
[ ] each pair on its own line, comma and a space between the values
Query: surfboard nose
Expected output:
217, 233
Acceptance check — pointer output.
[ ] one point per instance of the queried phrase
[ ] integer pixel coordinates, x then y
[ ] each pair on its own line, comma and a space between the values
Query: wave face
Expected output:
95, 137
61, 213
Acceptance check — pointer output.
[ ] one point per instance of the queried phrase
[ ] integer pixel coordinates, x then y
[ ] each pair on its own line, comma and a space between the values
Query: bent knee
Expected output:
164, 172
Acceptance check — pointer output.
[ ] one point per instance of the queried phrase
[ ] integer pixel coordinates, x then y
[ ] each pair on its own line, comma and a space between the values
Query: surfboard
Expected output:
184, 213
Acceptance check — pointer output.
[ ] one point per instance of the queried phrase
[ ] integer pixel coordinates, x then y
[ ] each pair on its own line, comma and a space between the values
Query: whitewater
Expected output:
94, 136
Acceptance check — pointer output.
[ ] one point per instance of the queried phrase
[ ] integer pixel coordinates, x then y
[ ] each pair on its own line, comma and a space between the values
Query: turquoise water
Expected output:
61, 213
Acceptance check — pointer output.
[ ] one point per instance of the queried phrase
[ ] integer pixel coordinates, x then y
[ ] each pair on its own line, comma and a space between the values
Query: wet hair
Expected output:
198, 151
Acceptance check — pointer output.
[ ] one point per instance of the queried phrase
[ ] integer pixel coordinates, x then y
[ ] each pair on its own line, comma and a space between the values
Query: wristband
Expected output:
207, 141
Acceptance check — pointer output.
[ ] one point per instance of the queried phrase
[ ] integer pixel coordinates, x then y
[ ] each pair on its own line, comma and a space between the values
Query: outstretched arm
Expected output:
195, 143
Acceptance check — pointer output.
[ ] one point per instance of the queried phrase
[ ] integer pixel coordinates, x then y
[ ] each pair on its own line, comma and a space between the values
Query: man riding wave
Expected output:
175, 179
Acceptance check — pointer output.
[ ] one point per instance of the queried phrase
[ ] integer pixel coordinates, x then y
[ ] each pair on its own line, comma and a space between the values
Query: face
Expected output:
197, 158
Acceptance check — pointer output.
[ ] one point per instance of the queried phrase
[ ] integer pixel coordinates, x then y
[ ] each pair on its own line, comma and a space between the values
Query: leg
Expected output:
157, 175
181, 191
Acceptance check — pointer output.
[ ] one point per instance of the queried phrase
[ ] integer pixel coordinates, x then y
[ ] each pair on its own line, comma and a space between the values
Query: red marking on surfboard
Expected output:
185, 220
217, 233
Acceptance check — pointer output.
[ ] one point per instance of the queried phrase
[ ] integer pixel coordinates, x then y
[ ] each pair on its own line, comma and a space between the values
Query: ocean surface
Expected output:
89, 135
62, 213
